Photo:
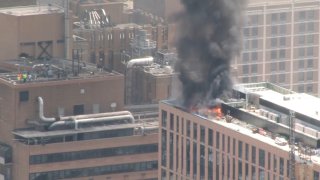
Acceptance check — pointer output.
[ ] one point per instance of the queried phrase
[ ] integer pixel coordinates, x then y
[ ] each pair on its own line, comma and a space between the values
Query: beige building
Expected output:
165, 9
9, 3
57, 124
34, 31
240, 139
281, 44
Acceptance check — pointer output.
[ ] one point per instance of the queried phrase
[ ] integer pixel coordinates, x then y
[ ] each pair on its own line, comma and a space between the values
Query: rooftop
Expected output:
36, 71
284, 98
303, 152
31, 10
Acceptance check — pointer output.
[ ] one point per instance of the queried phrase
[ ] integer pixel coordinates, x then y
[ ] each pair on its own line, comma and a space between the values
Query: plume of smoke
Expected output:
209, 40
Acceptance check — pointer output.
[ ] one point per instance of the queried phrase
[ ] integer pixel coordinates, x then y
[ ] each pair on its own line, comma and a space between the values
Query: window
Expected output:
302, 15
301, 40
310, 51
310, 63
246, 45
245, 80
245, 57
24, 96
273, 67
282, 66
316, 175
301, 52
245, 69
95, 171
246, 32
261, 157
273, 54
302, 28
310, 27
210, 137
254, 44
247, 152
274, 18
310, 15
274, 42
309, 88
283, 30
301, 88
254, 79
301, 76
283, 17
273, 78
254, 68
171, 121
164, 118
254, 56
282, 54
78, 109
274, 30
282, 42
195, 131
310, 76
254, 20
310, 39
202, 133
282, 78
217, 140
254, 31
301, 64
253, 154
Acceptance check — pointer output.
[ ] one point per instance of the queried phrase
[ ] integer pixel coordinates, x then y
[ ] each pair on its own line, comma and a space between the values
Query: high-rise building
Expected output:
63, 120
244, 137
281, 44
10, 3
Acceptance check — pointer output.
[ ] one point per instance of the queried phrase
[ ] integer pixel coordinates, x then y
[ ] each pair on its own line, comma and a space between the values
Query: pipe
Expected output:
41, 116
75, 123
140, 61
108, 114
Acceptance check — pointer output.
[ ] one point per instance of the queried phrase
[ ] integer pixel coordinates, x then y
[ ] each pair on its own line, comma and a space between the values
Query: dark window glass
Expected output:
95, 171
164, 118
261, 157
24, 96
171, 121
78, 109
202, 133
89, 154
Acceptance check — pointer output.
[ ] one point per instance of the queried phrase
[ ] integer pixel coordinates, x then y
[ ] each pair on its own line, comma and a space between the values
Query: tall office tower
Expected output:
281, 44
244, 137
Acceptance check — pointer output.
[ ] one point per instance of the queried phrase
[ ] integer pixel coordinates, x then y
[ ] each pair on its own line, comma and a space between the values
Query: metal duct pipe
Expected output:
119, 113
75, 123
41, 116
140, 61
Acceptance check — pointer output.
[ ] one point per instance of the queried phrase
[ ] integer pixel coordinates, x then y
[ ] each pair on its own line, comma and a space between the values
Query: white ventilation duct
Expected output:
119, 113
140, 61
76, 122
41, 115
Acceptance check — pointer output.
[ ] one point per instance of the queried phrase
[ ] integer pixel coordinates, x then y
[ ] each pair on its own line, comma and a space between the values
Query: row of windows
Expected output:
279, 18
94, 171
96, 153
215, 139
281, 66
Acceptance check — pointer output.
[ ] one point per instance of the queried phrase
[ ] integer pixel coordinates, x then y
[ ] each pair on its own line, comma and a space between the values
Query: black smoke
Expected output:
209, 39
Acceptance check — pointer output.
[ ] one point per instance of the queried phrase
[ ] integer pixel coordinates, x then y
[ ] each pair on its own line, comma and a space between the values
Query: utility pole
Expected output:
292, 160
